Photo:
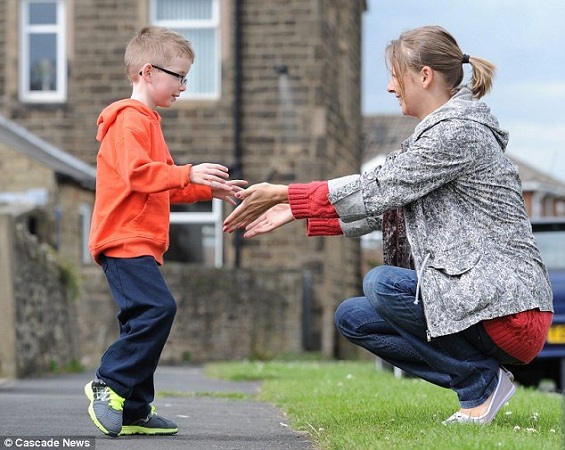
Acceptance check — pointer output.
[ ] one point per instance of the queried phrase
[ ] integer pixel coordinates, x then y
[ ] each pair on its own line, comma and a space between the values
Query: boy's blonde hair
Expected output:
434, 47
155, 45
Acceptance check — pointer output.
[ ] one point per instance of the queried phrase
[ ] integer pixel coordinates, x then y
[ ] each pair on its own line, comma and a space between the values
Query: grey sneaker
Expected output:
505, 389
106, 407
153, 424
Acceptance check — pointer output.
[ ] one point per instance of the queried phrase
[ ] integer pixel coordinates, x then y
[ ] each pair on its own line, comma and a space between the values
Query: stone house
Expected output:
46, 196
274, 94
544, 195
37, 175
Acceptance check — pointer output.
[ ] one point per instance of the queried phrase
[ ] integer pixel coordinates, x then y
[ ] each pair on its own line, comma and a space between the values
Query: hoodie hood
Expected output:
110, 113
464, 106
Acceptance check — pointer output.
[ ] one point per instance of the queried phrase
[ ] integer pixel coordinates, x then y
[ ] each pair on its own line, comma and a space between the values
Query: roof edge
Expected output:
33, 146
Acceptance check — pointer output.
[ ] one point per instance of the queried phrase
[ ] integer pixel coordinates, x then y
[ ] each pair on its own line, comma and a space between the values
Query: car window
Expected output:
551, 245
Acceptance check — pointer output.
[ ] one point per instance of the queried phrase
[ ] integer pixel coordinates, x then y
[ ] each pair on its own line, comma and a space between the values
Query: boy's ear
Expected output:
145, 70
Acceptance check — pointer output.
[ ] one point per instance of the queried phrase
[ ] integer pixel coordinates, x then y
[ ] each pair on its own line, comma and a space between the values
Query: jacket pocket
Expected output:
456, 262
462, 284
153, 218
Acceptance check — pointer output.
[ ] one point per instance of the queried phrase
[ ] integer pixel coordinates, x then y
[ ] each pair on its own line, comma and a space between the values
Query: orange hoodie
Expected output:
136, 181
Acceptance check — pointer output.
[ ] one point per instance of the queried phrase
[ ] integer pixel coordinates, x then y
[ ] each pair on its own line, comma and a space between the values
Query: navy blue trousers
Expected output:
146, 313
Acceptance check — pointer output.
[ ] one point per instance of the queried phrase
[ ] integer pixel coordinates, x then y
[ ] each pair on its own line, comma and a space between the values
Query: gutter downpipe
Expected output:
238, 151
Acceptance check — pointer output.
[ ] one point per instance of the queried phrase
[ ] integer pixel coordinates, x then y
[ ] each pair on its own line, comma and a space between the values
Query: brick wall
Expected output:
221, 315
302, 126
56, 314
299, 128
38, 325
233, 314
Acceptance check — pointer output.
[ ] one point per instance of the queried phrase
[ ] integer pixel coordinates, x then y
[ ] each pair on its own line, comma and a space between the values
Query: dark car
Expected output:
550, 363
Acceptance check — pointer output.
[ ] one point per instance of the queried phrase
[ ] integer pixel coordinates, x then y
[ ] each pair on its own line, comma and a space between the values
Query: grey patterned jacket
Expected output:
466, 221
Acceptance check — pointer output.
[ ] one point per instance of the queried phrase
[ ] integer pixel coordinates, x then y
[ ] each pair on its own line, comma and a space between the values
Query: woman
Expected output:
479, 296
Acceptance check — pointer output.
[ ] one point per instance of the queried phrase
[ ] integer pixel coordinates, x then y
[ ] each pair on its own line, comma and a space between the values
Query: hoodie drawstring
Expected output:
420, 275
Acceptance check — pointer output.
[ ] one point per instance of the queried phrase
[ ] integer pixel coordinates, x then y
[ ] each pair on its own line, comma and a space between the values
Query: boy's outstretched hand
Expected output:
207, 173
227, 189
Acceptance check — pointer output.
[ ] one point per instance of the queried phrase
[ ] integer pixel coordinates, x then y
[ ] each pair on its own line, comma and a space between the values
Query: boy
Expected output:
135, 184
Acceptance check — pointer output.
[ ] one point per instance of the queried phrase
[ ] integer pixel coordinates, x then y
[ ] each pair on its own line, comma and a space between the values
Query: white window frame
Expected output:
85, 215
178, 25
59, 29
213, 218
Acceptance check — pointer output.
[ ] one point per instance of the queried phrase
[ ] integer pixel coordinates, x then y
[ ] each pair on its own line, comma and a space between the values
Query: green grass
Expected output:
354, 406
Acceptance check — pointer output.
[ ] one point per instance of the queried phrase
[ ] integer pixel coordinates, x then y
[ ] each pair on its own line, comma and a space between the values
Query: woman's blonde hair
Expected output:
155, 45
434, 47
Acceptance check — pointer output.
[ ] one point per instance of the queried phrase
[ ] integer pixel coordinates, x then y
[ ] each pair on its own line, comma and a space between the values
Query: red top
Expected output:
521, 335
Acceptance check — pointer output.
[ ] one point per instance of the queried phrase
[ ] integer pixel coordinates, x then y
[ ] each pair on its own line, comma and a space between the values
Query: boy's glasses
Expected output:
182, 79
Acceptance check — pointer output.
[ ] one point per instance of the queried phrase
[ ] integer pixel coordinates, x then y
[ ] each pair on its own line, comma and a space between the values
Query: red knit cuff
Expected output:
310, 200
323, 227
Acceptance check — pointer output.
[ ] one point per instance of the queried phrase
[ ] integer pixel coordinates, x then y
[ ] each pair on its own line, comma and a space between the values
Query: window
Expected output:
196, 233
198, 21
43, 64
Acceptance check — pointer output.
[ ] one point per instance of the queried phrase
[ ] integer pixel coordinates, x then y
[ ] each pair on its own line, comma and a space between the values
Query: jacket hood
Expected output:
110, 113
465, 107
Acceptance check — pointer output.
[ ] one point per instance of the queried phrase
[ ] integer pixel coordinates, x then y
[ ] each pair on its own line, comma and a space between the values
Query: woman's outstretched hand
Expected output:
228, 189
274, 218
256, 200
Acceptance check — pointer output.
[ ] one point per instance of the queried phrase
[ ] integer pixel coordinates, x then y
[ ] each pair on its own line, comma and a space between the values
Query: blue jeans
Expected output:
146, 313
387, 323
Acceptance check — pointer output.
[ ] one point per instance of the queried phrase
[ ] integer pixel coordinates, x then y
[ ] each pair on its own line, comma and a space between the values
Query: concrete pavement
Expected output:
55, 407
